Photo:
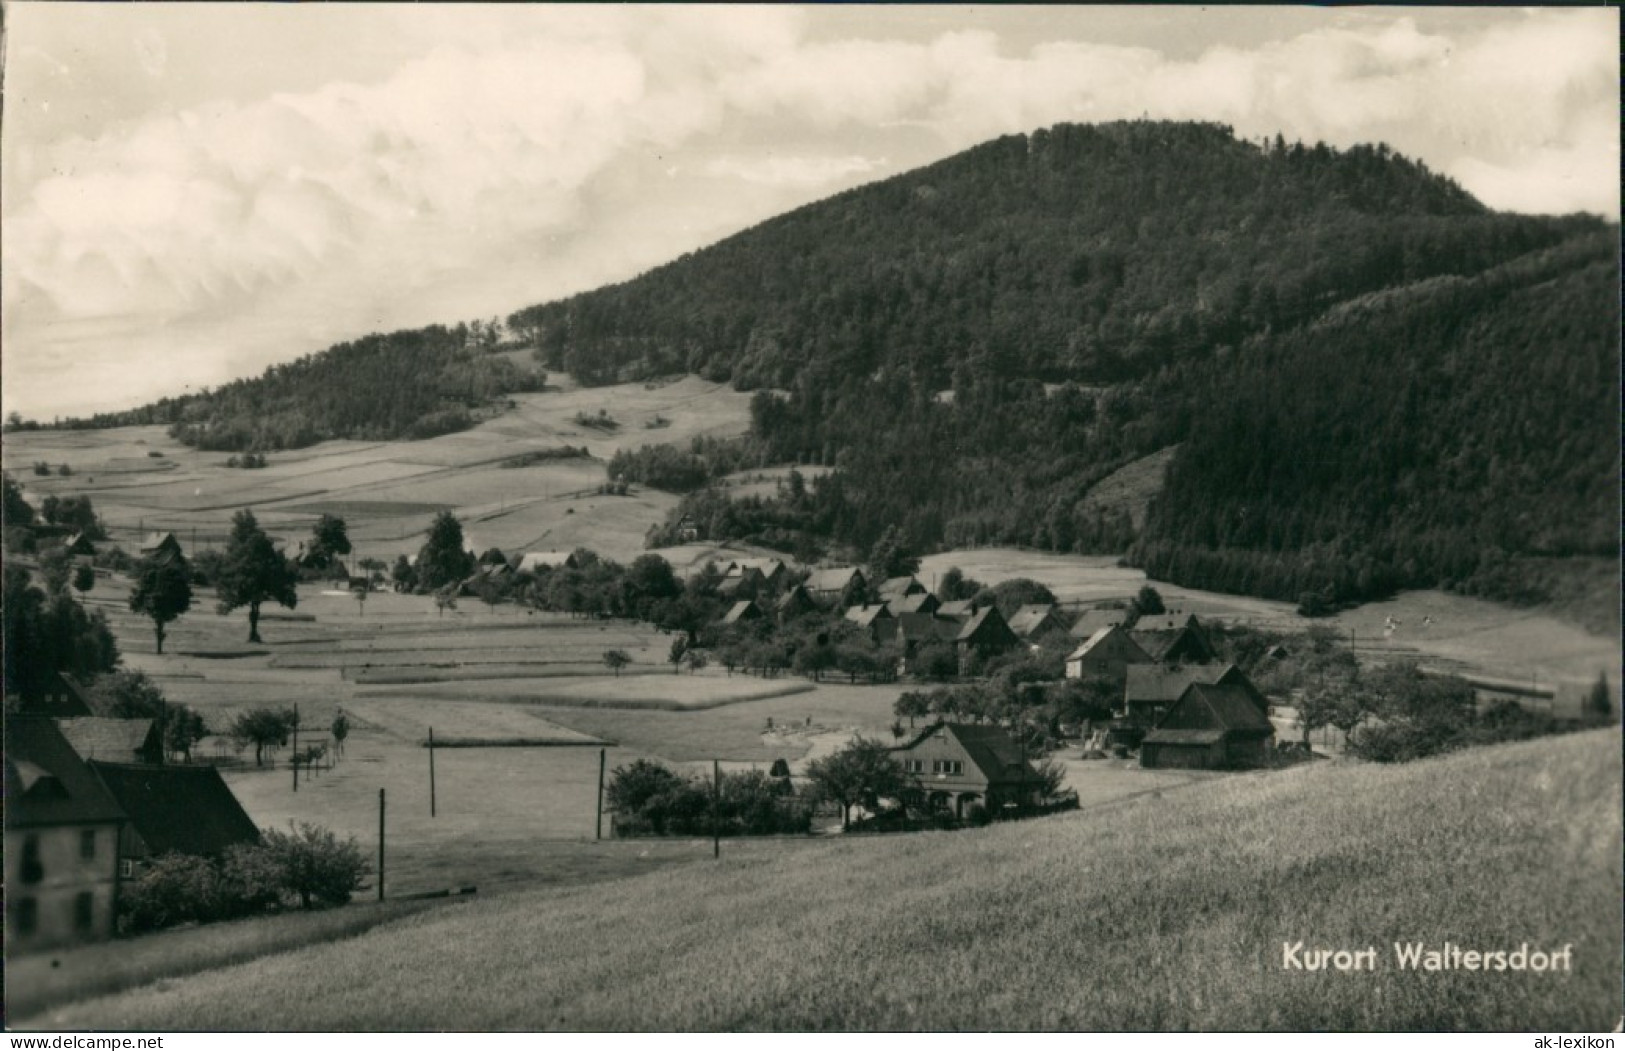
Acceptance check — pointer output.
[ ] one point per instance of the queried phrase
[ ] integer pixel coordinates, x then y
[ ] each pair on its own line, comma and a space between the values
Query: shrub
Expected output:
315, 865
175, 889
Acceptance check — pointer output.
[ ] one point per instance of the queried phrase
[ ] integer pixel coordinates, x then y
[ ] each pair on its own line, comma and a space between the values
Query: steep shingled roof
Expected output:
1224, 707
115, 740
1029, 619
1092, 620
187, 809
996, 756
46, 781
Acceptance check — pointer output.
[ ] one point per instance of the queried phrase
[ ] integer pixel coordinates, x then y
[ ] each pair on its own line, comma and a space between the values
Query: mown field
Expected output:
1154, 913
140, 479
1451, 632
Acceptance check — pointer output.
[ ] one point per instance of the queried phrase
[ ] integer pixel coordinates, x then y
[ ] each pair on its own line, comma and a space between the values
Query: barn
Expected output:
1210, 727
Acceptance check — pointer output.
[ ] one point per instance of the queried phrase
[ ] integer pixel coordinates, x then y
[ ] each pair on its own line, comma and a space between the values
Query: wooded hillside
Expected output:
1378, 382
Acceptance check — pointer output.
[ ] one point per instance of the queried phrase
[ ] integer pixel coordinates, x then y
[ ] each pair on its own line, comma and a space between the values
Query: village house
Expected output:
1150, 690
958, 766
1109, 652
113, 740
1092, 620
1210, 727
774, 573
1031, 622
162, 546
911, 631
984, 635
742, 612
868, 617
179, 809
899, 587
81, 546
687, 530
794, 603
1174, 637
743, 583
917, 602
61, 697
61, 842
959, 609
840, 586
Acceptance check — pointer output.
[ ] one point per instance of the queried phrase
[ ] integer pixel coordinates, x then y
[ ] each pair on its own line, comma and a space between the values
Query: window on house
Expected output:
84, 911
914, 766
947, 766
126, 869
27, 916
87, 844
32, 869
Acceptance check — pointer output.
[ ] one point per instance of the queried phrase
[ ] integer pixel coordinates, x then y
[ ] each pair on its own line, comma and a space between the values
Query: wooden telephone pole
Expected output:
380, 844
431, 773
716, 801
599, 833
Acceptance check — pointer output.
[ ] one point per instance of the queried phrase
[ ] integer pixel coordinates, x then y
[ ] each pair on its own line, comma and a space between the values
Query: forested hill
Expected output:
1091, 253
409, 384
1377, 382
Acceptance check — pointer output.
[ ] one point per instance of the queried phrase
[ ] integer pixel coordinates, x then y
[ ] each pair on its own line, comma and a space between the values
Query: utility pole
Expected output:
294, 759
599, 834
431, 773
716, 800
380, 844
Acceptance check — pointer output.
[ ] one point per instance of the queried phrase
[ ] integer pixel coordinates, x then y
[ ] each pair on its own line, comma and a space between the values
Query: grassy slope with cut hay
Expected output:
1154, 913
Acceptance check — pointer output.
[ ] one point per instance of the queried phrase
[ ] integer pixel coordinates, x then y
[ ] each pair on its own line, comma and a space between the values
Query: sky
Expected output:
192, 192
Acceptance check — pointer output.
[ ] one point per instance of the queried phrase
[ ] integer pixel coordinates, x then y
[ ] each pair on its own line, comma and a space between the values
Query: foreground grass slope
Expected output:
1157, 913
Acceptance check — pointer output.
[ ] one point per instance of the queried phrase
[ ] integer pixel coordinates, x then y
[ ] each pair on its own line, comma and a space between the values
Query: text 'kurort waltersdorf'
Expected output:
1420, 956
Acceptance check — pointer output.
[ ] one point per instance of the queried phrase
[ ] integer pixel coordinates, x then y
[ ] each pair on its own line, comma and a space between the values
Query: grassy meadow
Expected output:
1153, 913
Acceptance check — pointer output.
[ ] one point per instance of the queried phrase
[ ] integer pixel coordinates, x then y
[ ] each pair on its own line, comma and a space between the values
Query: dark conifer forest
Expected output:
1372, 380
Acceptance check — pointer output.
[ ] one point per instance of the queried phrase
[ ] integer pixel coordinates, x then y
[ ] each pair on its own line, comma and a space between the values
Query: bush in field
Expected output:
175, 889
650, 799
315, 865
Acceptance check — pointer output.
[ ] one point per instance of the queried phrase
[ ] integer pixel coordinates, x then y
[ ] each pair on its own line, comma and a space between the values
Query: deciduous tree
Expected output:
161, 591
254, 572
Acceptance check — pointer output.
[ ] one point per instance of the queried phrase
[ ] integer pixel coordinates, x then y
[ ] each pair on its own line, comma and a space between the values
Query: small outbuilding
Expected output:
1209, 728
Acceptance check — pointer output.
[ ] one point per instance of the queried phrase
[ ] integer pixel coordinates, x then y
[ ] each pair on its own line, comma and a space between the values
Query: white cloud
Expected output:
490, 157
792, 171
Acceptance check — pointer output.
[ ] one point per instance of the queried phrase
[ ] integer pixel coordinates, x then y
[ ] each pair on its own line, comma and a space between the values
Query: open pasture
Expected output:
389, 491
666, 691
1175, 908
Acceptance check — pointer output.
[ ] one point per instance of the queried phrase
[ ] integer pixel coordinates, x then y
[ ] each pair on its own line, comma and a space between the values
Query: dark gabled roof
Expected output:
918, 627
115, 740
1028, 619
996, 756
896, 587
1166, 622
836, 579
187, 809
155, 541
1108, 638
987, 620
46, 781
916, 602
863, 616
1164, 645
796, 596
959, 607
1092, 620
740, 610
1167, 682
1224, 707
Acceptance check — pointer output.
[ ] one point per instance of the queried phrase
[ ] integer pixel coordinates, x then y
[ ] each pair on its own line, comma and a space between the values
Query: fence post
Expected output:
380, 844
